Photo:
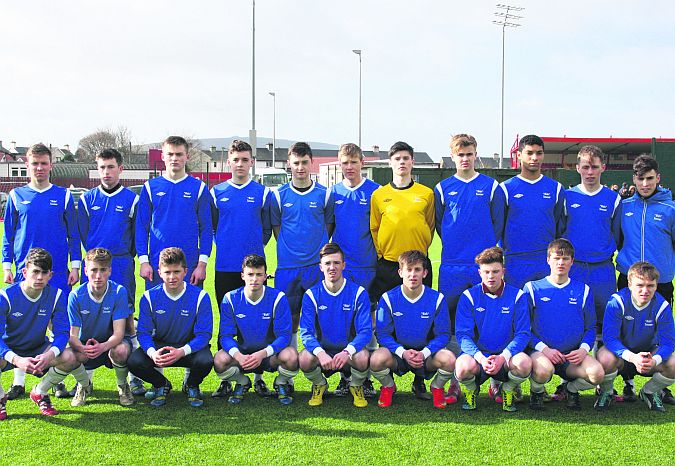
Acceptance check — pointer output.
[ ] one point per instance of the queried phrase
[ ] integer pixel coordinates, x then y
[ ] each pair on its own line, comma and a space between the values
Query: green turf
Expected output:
260, 431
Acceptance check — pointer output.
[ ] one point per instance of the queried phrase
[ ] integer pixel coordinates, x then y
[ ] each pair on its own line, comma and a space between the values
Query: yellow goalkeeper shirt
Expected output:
401, 219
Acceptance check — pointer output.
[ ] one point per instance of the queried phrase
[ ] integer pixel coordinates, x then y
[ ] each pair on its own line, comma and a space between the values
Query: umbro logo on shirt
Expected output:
323, 307
418, 199
398, 314
240, 316
629, 214
629, 318
85, 311
161, 193
480, 309
225, 199
452, 193
574, 206
518, 196
17, 314
545, 299
288, 204
340, 201
96, 207
25, 202
160, 311
387, 200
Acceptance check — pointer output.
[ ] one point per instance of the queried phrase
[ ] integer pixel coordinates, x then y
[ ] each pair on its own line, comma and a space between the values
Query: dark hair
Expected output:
494, 255
530, 140
300, 149
239, 146
253, 261
593, 152
560, 246
412, 258
177, 141
643, 270
401, 146
172, 256
39, 258
39, 149
350, 150
643, 164
107, 154
331, 248
101, 255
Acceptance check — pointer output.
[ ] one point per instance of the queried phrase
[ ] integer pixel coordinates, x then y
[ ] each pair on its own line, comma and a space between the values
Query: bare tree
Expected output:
105, 138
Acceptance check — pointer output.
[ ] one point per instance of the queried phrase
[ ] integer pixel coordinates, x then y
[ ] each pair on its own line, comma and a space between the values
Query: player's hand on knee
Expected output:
577, 356
340, 360
325, 361
553, 355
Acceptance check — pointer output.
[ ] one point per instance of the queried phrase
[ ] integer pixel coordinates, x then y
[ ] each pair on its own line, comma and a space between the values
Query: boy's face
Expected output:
175, 157
300, 166
401, 163
560, 264
641, 289
240, 163
351, 167
531, 158
412, 275
464, 157
98, 274
39, 166
35, 277
491, 275
254, 278
646, 184
590, 168
109, 172
173, 276
332, 266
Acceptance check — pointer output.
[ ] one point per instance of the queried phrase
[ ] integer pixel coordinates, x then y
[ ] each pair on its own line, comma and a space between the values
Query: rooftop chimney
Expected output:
376, 150
67, 147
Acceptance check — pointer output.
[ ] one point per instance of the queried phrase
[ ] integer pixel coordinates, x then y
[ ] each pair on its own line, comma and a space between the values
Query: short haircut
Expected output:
494, 255
39, 258
560, 246
101, 255
592, 152
401, 146
301, 149
413, 257
254, 261
643, 164
643, 270
460, 141
350, 150
172, 256
530, 140
107, 154
239, 146
39, 149
176, 141
331, 248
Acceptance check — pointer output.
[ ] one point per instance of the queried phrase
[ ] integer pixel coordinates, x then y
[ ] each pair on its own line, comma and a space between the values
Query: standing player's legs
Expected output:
601, 279
522, 268
386, 278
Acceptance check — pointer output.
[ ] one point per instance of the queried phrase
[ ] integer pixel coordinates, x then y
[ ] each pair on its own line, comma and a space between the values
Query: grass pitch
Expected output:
261, 431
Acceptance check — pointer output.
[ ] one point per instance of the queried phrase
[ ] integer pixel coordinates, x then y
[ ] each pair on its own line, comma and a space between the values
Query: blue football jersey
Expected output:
95, 317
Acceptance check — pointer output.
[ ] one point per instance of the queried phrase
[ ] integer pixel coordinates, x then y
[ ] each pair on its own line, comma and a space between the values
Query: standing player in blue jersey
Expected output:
639, 337
468, 220
98, 312
106, 216
562, 316
335, 328
413, 328
303, 219
26, 310
242, 225
40, 214
648, 234
255, 332
174, 329
352, 233
174, 210
493, 329
533, 215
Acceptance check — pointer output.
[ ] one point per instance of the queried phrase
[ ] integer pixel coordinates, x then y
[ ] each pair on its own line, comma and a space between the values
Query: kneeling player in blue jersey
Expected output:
175, 325
260, 319
413, 328
639, 337
493, 329
98, 312
562, 316
335, 327
26, 308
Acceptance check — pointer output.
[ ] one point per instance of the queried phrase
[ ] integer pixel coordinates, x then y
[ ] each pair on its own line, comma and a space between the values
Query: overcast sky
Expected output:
430, 69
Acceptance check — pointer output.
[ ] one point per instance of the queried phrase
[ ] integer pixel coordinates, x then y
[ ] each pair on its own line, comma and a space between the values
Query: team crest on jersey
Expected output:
187, 194
240, 316
339, 201
160, 311
546, 299
424, 315
42, 312
658, 217
323, 307
480, 309
106, 309
17, 314
250, 199
288, 204
629, 317
546, 195
96, 207
312, 205
573, 301
53, 202
363, 201
574, 206
505, 310
184, 312
649, 323
346, 307
479, 192
629, 214
266, 316
398, 314
603, 208
161, 193
119, 208
518, 196
25, 202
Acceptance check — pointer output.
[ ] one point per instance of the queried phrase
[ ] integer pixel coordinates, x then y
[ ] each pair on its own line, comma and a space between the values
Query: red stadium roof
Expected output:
608, 145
